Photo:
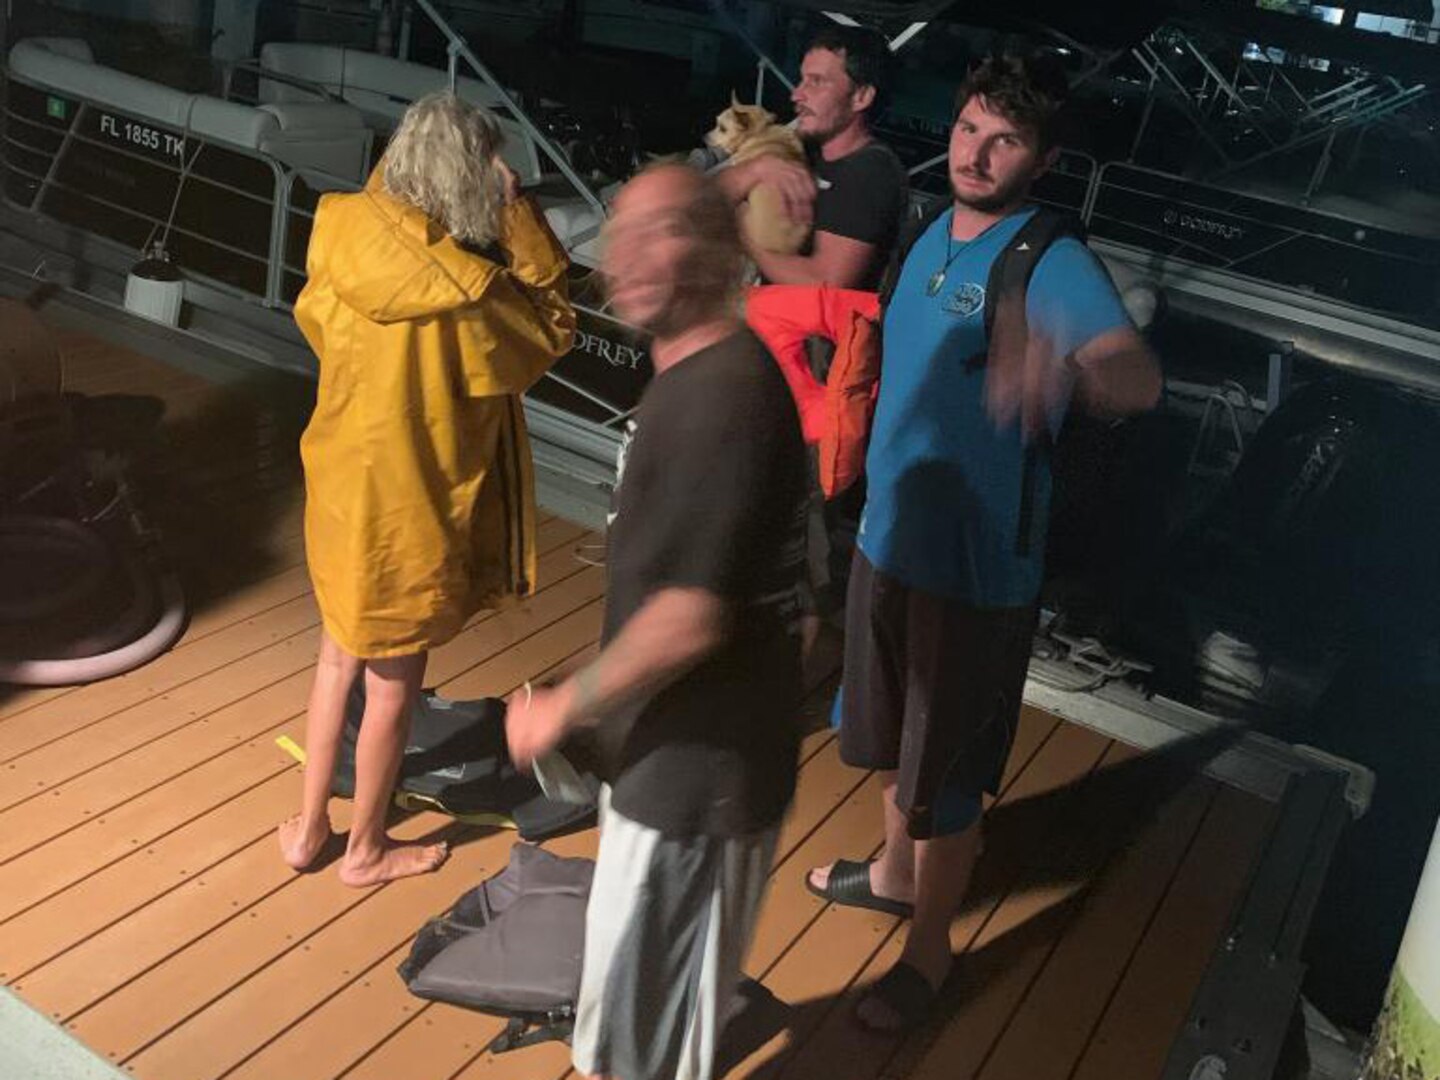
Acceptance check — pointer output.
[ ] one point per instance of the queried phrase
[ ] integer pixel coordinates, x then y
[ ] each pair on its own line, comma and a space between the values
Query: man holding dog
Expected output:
858, 187
858, 193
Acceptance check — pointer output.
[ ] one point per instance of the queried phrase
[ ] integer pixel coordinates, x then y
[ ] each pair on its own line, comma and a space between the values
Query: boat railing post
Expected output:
1277, 379
1087, 212
279, 230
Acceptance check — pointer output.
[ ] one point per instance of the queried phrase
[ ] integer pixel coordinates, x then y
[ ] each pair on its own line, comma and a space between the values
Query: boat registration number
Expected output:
142, 136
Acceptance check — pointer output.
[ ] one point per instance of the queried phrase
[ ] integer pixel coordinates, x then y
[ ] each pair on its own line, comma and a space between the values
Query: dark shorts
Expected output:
932, 691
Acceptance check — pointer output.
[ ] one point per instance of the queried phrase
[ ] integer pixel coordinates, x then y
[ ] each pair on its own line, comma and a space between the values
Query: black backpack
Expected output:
456, 761
1011, 271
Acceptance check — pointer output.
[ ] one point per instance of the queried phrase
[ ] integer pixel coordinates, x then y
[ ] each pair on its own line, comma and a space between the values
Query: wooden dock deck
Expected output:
144, 906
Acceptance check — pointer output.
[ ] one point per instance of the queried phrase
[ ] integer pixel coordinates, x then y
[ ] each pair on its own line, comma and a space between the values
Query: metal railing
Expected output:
1248, 234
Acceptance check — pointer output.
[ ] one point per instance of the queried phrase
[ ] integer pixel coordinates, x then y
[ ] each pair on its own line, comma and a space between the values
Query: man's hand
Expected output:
794, 183
510, 183
1023, 376
536, 722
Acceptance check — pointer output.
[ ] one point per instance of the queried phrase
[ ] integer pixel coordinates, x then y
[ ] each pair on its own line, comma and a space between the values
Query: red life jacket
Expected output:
835, 416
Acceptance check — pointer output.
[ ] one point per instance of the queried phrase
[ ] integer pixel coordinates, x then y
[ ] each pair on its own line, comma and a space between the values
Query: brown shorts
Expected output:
932, 690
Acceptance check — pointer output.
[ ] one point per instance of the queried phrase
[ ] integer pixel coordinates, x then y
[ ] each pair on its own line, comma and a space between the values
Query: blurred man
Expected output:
943, 595
696, 692
860, 194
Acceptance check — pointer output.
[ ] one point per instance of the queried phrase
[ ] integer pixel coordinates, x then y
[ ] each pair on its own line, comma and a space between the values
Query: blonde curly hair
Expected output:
441, 160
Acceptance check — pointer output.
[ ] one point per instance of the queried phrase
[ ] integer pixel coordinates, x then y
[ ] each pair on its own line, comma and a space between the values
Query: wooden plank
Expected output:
323, 1044
1023, 934
297, 1052
449, 1039
1047, 1034
828, 955
145, 1008
242, 608
342, 1031
194, 750
1134, 1036
150, 719
171, 684
206, 619
777, 932
105, 897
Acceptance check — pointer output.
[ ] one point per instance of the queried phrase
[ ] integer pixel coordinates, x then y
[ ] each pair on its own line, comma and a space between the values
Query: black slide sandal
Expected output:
849, 886
906, 993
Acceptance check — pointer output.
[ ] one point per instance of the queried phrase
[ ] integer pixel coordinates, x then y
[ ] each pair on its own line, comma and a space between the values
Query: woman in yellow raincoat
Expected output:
435, 298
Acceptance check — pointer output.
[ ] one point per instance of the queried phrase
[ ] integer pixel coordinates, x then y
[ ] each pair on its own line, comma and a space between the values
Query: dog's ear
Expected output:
734, 100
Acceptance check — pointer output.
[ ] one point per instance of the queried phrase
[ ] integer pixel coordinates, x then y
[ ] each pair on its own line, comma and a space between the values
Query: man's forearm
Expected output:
789, 269
668, 637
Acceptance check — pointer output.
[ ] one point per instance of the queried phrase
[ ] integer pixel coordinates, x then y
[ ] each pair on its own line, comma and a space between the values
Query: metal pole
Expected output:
1156, 65
1144, 119
900, 40
1277, 381
1321, 167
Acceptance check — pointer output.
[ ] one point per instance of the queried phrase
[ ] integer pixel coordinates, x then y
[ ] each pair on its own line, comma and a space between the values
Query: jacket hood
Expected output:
389, 262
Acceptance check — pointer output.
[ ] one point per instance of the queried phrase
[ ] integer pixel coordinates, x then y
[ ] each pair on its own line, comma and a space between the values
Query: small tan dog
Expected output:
745, 132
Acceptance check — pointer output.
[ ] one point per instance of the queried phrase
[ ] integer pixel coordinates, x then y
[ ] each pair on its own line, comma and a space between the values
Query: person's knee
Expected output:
334, 660
390, 683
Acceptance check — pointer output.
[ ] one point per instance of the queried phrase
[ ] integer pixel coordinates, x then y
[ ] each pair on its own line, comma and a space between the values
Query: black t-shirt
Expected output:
863, 196
712, 495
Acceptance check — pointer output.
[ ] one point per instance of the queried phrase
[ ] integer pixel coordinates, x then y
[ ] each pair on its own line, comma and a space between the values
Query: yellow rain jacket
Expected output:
419, 495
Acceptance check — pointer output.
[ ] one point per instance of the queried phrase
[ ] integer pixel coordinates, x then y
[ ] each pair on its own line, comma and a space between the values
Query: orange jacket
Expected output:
836, 415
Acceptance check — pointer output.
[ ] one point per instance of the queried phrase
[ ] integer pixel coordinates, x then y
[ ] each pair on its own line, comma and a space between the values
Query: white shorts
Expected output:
666, 933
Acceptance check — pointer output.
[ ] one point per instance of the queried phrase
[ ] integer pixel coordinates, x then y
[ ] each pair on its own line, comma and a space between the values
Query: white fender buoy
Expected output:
1406, 1042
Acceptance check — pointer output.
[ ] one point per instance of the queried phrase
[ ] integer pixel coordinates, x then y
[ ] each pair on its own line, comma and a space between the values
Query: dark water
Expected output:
1323, 548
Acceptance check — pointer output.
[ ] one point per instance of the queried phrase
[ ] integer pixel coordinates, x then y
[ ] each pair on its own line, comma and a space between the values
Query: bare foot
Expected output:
391, 862
820, 878
301, 844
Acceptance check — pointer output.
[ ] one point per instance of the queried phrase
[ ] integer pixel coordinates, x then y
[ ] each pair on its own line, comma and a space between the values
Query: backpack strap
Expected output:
910, 232
1011, 273
1015, 266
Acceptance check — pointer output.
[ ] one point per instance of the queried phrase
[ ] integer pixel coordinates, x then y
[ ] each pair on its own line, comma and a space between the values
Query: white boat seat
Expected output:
328, 137
382, 87
576, 224
324, 136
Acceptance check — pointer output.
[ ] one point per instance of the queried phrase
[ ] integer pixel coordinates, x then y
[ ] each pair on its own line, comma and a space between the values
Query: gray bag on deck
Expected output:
511, 946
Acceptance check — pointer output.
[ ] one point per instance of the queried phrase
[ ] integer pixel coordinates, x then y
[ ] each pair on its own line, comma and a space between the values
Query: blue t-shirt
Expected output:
943, 511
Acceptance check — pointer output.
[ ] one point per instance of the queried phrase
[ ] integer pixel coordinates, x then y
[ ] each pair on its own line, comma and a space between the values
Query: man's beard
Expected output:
815, 140
1002, 197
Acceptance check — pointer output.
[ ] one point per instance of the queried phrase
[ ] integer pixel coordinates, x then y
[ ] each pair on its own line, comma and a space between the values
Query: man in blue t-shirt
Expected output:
943, 594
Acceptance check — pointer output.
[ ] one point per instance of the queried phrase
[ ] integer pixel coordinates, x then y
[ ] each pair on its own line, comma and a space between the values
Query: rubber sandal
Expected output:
906, 993
849, 886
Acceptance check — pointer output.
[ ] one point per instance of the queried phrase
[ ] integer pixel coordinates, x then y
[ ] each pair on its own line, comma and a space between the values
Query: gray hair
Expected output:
441, 160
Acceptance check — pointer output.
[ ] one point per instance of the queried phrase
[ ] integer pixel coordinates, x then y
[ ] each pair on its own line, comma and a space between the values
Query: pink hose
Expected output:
117, 661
